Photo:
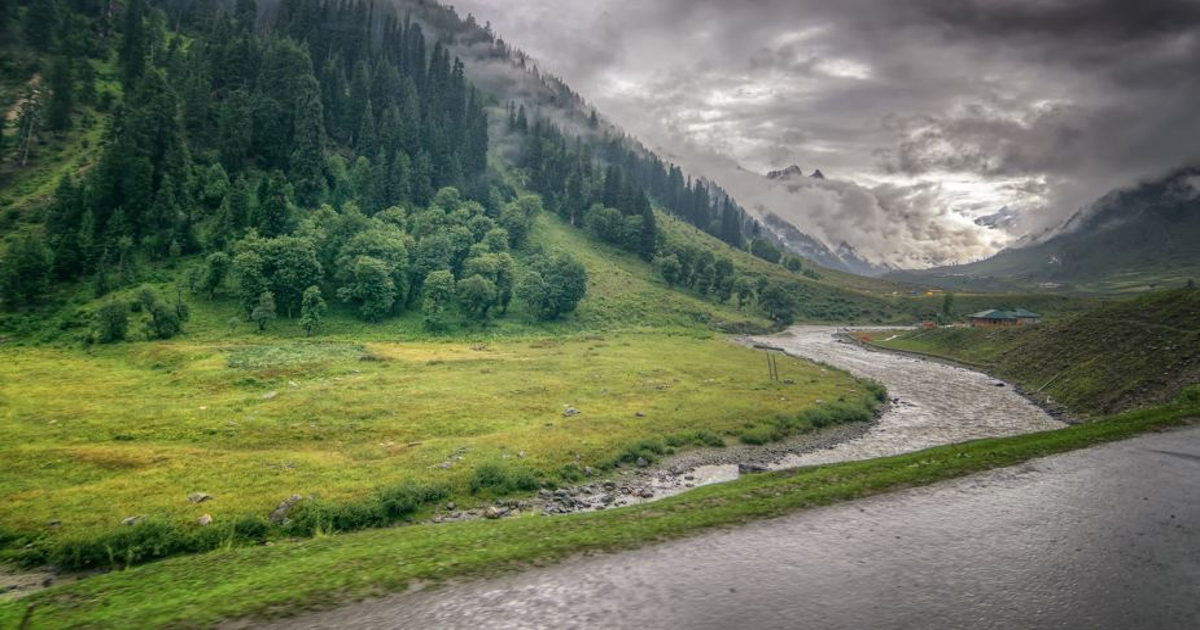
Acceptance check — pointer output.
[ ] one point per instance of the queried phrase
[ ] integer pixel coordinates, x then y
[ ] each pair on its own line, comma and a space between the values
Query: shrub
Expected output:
571, 473
708, 438
1190, 395
153, 539
649, 450
500, 480
405, 499
876, 389
759, 435
112, 322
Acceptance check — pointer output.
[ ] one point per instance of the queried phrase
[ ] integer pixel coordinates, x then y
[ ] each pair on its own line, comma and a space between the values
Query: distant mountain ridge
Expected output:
1133, 239
841, 256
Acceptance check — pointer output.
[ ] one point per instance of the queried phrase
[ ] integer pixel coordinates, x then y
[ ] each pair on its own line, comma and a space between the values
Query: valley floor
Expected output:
94, 438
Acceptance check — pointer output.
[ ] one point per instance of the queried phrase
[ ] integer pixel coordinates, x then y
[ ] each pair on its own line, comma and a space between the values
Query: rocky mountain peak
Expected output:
787, 173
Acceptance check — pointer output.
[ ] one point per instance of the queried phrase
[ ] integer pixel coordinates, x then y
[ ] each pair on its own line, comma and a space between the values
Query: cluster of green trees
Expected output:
204, 123
567, 174
324, 159
604, 200
453, 253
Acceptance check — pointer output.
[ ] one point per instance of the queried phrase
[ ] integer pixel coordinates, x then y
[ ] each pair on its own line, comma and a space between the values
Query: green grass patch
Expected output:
92, 438
257, 582
1130, 354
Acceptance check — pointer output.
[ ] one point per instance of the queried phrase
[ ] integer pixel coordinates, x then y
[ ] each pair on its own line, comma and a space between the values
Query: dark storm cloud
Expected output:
968, 106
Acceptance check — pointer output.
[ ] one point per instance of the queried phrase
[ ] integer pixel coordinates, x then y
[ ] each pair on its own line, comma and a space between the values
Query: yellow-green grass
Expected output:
92, 438
257, 582
1135, 353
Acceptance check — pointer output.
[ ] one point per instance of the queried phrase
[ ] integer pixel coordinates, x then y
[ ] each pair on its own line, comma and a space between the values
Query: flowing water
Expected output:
934, 403
1105, 538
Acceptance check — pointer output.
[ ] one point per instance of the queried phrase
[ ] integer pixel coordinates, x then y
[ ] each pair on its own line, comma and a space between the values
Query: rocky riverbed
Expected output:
932, 403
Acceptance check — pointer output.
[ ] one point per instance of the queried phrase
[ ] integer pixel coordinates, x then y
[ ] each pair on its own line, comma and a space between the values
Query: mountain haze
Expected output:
1133, 239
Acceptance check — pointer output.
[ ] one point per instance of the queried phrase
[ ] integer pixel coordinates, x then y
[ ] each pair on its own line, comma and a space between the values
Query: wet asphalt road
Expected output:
1106, 538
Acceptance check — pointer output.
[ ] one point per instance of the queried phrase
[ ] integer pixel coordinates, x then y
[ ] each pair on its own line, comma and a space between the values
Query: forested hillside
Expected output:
306, 158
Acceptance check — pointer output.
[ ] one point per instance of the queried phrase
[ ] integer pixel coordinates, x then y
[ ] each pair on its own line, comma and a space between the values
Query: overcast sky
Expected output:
932, 112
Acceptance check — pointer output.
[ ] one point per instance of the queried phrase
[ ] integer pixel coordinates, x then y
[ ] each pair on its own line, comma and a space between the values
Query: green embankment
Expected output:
1131, 354
203, 590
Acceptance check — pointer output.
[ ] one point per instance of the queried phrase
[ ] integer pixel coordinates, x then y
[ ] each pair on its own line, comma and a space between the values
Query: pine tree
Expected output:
271, 217
312, 310
29, 122
58, 110
25, 272
307, 163
41, 24
264, 310
135, 44
234, 130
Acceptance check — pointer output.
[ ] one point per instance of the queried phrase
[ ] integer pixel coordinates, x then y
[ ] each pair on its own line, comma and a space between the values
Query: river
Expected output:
1106, 538
936, 403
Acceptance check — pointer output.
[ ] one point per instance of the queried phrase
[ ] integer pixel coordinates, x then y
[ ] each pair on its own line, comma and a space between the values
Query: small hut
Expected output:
1004, 319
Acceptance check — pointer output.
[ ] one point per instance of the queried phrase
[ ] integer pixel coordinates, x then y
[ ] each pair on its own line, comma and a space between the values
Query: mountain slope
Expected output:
1130, 354
1130, 240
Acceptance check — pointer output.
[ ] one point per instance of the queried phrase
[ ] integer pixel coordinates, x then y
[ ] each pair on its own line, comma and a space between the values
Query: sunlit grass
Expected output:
92, 438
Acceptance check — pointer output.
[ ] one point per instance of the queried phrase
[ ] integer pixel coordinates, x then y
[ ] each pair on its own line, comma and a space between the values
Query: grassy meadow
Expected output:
93, 438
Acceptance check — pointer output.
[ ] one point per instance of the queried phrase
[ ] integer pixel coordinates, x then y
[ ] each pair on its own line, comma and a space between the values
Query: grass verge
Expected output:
201, 591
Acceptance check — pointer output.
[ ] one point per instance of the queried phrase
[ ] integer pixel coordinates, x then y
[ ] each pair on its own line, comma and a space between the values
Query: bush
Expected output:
112, 322
708, 438
1190, 395
154, 539
759, 435
405, 499
571, 473
500, 480
876, 389
649, 450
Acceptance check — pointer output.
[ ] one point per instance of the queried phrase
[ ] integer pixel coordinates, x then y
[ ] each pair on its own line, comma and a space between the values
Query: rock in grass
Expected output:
279, 515
571, 411
199, 497
205, 520
269, 395
750, 469
130, 521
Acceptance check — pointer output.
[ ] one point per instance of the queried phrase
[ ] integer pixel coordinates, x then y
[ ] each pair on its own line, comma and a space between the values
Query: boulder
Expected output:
269, 395
745, 468
642, 462
199, 497
571, 411
132, 520
205, 520
279, 516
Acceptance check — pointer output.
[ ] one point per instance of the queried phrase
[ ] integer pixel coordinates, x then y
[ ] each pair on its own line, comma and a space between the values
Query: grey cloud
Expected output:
1045, 106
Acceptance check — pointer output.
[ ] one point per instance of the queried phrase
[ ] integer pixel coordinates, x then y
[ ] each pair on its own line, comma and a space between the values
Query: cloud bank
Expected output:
927, 113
